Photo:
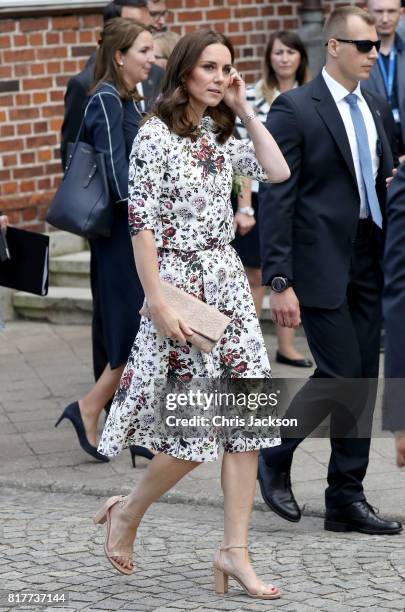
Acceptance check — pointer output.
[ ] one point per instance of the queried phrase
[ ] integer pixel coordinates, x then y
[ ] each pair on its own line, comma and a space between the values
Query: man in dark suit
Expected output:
394, 309
75, 103
387, 76
321, 234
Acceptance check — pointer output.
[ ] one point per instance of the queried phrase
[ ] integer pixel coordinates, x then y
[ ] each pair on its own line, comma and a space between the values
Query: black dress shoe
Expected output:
275, 487
72, 413
359, 516
297, 363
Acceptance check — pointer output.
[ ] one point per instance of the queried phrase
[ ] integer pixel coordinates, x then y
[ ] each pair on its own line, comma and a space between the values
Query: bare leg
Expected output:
92, 404
238, 480
162, 474
285, 339
254, 276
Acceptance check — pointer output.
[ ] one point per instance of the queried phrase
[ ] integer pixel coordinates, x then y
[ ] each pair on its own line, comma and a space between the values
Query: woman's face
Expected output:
284, 60
137, 61
210, 77
160, 59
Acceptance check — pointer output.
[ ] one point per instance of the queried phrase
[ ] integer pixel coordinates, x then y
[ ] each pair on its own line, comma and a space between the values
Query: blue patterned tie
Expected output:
365, 159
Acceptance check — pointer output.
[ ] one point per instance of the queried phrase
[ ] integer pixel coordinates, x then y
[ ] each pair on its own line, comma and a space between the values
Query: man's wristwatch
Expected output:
280, 284
246, 210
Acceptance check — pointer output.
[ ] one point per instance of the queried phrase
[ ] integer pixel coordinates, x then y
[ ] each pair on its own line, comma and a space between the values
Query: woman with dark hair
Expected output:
285, 66
181, 222
124, 59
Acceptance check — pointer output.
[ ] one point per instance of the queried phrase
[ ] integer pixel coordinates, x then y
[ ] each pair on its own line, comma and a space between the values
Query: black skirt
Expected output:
119, 290
248, 246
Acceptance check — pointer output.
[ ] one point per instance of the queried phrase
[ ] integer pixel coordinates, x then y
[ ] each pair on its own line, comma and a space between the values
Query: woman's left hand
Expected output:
235, 95
3, 222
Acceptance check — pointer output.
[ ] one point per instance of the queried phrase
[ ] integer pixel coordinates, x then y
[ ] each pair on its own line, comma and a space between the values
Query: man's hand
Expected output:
389, 180
243, 223
400, 447
285, 308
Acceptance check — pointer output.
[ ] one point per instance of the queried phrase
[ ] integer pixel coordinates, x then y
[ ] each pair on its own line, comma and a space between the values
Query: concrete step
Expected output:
63, 305
71, 270
63, 243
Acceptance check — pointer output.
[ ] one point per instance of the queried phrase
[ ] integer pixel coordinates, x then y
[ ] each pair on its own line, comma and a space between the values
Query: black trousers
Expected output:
345, 344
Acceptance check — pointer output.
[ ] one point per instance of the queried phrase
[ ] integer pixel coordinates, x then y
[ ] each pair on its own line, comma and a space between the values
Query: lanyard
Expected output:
388, 78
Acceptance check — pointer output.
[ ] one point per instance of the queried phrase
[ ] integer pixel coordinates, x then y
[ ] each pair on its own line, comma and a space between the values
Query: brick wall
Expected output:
39, 54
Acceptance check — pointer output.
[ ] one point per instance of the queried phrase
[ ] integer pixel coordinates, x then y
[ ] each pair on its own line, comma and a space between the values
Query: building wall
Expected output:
39, 54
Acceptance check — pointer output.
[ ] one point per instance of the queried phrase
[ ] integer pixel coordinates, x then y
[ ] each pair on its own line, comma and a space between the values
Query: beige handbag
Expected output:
207, 323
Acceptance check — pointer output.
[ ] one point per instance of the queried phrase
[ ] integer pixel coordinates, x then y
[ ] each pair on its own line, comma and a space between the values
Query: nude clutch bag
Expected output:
207, 323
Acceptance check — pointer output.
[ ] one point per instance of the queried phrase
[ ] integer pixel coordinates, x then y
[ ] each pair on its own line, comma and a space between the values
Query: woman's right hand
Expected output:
169, 324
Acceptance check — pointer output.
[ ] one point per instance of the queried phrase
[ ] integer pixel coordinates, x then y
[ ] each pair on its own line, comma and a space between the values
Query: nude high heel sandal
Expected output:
222, 580
104, 516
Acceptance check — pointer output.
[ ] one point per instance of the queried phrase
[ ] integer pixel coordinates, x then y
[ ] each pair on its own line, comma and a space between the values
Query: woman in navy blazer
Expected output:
112, 115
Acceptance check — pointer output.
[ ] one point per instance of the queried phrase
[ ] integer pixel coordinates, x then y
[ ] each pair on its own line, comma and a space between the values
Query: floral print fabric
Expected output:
180, 189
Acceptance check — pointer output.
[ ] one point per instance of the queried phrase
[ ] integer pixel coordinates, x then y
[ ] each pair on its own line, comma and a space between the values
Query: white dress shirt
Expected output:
141, 103
339, 93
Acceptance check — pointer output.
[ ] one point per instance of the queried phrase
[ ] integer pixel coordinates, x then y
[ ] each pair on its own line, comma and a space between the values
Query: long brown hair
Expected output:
171, 107
292, 40
119, 34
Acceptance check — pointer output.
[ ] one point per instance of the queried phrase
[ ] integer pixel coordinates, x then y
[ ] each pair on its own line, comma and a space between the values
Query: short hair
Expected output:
114, 8
167, 40
335, 26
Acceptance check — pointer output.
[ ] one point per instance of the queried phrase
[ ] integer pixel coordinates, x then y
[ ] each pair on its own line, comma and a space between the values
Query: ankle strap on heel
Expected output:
230, 546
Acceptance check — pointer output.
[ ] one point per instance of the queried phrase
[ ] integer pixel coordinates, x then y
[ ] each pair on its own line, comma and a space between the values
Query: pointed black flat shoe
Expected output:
72, 412
139, 451
297, 363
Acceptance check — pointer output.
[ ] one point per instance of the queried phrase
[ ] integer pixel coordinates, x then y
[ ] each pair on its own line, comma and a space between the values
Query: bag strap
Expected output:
79, 133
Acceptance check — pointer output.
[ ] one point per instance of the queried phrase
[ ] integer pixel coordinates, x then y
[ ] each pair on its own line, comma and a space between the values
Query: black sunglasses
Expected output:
362, 46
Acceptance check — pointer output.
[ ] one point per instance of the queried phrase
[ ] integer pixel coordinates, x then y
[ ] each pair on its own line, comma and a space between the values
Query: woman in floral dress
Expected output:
181, 222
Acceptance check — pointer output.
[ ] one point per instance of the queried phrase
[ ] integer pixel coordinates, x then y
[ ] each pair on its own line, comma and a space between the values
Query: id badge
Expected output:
395, 112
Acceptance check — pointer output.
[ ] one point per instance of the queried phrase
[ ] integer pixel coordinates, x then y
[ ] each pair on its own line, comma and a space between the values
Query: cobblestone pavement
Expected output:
49, 544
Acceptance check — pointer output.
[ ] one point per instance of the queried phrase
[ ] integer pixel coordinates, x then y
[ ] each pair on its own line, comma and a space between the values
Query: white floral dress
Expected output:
180, 188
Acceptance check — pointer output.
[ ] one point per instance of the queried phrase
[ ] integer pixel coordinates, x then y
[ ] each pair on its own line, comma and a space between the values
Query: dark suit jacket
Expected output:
76, 97
308, 223
394, 305
375, 82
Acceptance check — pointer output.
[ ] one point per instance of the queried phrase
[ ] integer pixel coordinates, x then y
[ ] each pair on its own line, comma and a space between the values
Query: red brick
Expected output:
53, 38
45, 155
92, 21
29, 172
5, 42
65, 23
51, 52
40, 97
190, 16
22, 55
69, 37
23, 99
218, 14
29, 214
56, 110
34, 25
44, 83
87, 37
20, 40
54, 168
22, 70
7, 131
10, 188
40, 127
19, 114
36, 40
44, 183
53, 67
8, 25
56, 124
14, 217
70, 66
41, 141
23, 129
27, 158
57, 95
9, 160
5, 72
38, 69
28, 186
6, 100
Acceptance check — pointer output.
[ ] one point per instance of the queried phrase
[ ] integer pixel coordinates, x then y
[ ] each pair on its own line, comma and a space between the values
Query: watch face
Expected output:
278, 283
